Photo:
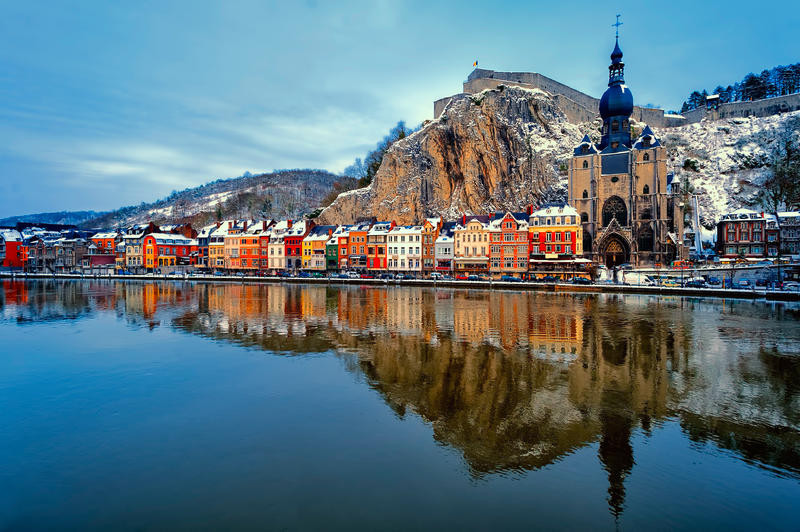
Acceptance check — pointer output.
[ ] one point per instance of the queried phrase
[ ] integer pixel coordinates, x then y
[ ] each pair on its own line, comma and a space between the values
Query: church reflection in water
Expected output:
514, 381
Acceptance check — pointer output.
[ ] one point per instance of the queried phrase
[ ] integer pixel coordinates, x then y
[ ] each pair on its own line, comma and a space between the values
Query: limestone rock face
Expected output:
500, 149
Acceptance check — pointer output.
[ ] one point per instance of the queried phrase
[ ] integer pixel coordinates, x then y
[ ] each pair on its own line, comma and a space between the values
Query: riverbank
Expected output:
771, 295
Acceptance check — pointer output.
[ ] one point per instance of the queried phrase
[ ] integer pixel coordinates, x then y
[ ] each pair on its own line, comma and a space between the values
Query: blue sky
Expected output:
104, 104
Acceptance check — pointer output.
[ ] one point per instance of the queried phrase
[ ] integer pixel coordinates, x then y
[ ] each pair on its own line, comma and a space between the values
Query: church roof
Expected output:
647, 133
616, 55
585, 142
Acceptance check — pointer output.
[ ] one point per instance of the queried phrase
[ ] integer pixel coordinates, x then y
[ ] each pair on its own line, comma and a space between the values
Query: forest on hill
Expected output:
777, 81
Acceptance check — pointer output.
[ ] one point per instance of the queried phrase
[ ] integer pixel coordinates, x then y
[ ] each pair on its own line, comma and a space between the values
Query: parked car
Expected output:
580, 280
714, 281
304, 275
367, 276
461, 277
695, 283
549, 279
408, 277
353, 275
791, 286
437, 276
510, 279
744, 283
386, 276
447, 277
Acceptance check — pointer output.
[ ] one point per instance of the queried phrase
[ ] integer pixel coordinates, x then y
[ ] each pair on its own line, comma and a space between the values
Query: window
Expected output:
646, 189
615, 125
584, 217
646, 156
585, 193
586, 164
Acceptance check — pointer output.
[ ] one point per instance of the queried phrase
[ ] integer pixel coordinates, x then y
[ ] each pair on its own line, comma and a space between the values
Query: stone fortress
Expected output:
580, 107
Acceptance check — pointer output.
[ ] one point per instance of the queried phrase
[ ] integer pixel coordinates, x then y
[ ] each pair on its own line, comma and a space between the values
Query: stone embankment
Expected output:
770, 295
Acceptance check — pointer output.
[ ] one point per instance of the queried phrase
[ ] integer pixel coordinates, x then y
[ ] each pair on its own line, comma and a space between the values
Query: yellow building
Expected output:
313, 247
471, 237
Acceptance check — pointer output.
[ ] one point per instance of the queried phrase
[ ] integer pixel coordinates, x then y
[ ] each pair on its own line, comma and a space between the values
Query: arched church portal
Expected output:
615, 251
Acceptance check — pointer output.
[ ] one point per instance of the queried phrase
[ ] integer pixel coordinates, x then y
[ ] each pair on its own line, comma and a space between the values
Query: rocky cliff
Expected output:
506, 148
503, 148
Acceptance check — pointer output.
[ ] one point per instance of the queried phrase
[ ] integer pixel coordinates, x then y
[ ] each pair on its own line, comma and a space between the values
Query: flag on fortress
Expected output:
475, 63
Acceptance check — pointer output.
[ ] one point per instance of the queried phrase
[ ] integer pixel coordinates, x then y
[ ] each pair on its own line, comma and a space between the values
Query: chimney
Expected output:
530, 210
218, 224
289, 224
230, 225
463, 219
263, 225
244, 228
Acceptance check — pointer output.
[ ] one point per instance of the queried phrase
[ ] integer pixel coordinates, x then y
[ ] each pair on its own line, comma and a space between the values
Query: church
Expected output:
620, 186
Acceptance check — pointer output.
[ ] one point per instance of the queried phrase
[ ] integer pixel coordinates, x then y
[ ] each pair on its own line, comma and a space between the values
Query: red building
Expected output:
165, 250
12, 252
105, 242
508, 234
746, 233
293, 243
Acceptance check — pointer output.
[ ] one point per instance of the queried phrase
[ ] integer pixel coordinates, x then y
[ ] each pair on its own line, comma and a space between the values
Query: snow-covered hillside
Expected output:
732, 158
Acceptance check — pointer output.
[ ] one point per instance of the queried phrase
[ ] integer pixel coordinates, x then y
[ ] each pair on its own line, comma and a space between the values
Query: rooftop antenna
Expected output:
617, 24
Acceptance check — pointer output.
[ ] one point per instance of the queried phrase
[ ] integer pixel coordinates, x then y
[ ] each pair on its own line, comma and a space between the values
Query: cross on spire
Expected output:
617, 24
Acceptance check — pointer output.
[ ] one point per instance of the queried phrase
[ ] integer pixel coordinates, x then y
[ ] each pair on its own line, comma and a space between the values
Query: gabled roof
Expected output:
586, 141
647, 133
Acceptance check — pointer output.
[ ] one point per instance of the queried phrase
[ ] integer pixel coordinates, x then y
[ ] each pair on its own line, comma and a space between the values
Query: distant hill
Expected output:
280, 194
63, 217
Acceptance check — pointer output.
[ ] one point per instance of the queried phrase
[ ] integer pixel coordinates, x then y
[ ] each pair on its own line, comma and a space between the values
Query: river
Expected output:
142, 405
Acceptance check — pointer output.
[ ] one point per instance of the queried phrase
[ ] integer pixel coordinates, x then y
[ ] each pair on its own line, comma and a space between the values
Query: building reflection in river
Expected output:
514, 381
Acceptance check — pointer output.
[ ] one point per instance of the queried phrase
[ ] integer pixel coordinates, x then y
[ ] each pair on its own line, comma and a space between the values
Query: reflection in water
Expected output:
514, 381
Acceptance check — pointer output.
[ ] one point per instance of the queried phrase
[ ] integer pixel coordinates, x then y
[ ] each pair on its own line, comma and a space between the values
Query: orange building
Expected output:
106, 243
357, 244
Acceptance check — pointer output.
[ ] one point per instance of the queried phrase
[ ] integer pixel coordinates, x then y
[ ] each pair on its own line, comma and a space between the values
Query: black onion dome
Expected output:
616, 101
616, 55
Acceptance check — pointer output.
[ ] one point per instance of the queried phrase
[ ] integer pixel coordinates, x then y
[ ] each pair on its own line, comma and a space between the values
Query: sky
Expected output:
105, 104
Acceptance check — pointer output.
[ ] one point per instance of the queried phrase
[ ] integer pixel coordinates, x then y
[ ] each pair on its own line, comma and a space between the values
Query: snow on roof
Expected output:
10, 235
556, 210
789, 214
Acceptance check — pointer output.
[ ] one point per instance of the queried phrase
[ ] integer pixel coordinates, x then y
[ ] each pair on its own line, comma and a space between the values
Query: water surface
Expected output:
180, 405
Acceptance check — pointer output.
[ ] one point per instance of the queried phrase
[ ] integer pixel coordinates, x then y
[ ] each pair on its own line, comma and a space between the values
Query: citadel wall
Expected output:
580, 107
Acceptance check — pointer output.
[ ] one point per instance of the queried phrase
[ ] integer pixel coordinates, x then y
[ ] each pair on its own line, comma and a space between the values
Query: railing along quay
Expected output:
724, 293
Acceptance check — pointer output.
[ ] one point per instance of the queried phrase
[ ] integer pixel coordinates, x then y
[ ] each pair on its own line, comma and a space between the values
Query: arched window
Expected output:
586, 164
585, 194
613, 208
615, 125
646, 239
584, 218
646, 189
646, 157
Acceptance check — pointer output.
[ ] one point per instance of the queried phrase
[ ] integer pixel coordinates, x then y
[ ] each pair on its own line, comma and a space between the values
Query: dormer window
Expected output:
615, 125
586, 164
584, 150
646, 142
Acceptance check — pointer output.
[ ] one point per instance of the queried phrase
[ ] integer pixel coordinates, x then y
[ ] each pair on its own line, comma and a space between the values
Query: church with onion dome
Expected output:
629, 212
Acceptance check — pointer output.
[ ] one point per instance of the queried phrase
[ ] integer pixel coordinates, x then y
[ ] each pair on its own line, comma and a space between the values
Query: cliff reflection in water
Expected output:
514, 381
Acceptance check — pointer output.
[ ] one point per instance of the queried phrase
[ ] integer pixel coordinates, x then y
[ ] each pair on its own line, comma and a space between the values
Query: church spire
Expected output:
616, 70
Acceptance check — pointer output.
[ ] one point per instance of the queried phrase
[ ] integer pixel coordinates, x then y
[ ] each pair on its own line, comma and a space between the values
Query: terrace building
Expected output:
444, 248
376, 246
430, 232
472, 245
747, 233
508, 236
405, 248
789, 223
